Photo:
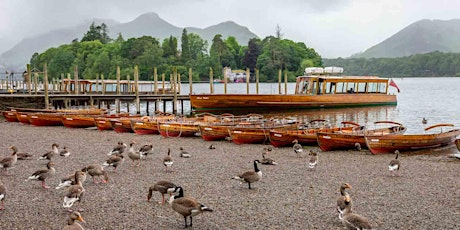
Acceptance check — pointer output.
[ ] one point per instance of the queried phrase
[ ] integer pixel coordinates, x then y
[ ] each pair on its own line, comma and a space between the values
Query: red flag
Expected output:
392, 83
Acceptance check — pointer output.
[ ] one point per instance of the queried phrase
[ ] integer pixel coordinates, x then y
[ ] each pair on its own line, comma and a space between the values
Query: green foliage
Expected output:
435, 64
97, 33
96, 55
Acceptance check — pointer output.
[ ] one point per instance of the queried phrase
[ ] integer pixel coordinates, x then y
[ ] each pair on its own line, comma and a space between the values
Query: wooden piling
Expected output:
75, 74
211, 80
163, 83
257, 81
190, 80
29, 79
285, 81
136, 89
174, 91
279, 81
45, 80
117, 101
247, 80
225, 82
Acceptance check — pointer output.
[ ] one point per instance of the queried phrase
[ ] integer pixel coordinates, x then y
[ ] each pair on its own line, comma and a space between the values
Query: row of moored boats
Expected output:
384, 137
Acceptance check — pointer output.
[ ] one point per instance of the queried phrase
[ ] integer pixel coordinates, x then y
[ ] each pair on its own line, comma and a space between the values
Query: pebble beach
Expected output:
289, 195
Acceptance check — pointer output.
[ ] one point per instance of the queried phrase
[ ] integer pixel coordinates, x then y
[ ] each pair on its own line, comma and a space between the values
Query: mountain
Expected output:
423, 36
148, 24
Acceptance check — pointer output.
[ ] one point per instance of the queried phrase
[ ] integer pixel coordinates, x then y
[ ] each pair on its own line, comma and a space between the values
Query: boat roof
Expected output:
345, 78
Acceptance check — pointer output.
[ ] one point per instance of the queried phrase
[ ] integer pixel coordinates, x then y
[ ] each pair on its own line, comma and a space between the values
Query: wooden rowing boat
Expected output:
254, 133
304, 134
215, 131
22, 117
354, 139
85, 120
436, 136
10, 116
311, 91
90, 111
149, 125
121, 124
185, 126
457, 143
45, 119
78, 121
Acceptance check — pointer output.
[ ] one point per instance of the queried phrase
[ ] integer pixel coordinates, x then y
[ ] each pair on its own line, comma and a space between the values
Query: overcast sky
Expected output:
334, 28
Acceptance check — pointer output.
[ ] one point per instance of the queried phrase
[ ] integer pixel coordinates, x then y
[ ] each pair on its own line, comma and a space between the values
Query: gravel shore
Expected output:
289, 195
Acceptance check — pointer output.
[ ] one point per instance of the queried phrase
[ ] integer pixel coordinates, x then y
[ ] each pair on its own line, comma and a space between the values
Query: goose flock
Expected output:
186, 206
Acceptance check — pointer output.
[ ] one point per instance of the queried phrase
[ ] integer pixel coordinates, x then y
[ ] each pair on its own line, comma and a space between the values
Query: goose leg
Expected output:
163, 195
249, 185
185, 219
191, 221
44, 185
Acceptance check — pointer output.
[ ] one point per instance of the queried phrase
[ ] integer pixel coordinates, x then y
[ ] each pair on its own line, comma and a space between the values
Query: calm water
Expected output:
433, 98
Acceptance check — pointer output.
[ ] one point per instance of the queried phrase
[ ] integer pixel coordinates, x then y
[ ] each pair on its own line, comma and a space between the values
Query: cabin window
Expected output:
361, 87
341, 87
330, 88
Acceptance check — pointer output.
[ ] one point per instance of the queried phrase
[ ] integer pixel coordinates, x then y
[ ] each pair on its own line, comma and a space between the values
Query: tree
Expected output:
97, 33
185, 46
251, 54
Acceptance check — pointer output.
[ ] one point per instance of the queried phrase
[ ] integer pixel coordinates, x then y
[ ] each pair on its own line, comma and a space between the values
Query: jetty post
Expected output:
174, 91
136, 89
225, 82
45, 80
190, 80
279, 81
75, 74
247, 80
163, 83
103, 84
285, 81
117, 101
155, 85
29, 79
211, 80
257, 81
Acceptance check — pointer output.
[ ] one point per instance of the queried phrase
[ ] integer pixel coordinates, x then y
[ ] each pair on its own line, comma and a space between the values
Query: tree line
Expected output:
96, 54
434, 64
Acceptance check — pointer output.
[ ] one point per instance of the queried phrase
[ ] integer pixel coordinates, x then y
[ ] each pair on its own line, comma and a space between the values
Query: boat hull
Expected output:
349, 139
231, 102
122, 125
103, 123
22, 117
144, 127
178, 129
45, 119
391, 143
78, 121
10, 116
214, 132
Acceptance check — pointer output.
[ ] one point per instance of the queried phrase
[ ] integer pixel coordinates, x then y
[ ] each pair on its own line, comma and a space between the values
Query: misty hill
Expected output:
423, 36
149, 24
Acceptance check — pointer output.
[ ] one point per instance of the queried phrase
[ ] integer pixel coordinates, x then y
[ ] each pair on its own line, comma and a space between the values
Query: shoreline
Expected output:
289, 195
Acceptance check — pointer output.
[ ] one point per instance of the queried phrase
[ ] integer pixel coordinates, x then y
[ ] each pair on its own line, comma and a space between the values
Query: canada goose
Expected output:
313, 161
163, 187
267, 160
145, 150
71, 224
184, 153
351, 220
341, 199
119, 148
114, 161
187, 206
2, 195
212, 146
70, 180
96, 170
168, 161
250, 176
43, 174
297, 147
134, 155
21, 156
394, 165
64, 152
74, 192
49, 155
8, 162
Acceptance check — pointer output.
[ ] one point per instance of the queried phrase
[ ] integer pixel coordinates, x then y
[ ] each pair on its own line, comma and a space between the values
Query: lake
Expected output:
433, 98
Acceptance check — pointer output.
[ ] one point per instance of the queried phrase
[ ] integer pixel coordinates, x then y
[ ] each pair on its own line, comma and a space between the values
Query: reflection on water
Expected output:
436, 99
